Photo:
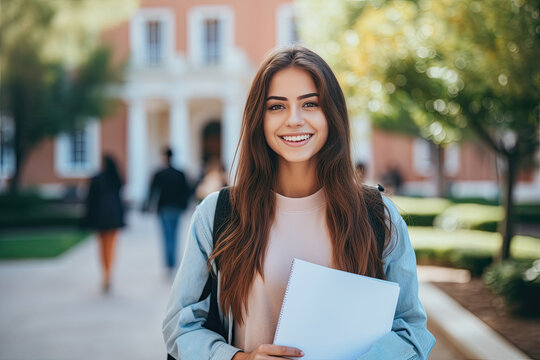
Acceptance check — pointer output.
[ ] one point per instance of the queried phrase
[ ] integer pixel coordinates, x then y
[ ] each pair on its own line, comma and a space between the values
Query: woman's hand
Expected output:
269, 351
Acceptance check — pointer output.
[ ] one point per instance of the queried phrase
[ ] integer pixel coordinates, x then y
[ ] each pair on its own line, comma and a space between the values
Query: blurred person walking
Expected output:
105, 213
171, 189
213, 180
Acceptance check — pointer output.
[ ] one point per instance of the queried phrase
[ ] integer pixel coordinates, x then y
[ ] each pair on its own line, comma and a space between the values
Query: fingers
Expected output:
279, 350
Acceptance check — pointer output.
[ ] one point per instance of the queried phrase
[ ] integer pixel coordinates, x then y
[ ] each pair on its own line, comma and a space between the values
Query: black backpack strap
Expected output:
376, 200
213, 321
223, 211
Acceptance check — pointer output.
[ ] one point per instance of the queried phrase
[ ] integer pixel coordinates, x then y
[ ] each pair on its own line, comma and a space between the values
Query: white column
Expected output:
179, 132
230, 129
137, 178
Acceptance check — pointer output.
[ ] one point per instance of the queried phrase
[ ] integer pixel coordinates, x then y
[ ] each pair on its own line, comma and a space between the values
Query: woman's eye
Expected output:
311, 104
275, 107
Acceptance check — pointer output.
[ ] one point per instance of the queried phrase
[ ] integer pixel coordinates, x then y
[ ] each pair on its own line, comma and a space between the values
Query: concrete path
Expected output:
54, 309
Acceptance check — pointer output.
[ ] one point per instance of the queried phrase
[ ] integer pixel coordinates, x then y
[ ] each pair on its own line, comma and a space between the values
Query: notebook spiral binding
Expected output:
284, 300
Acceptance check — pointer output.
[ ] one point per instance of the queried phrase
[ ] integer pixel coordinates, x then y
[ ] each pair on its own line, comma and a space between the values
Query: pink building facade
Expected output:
190, 65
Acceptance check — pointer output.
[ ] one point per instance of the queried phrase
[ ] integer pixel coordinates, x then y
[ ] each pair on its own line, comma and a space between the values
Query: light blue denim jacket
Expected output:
186, 338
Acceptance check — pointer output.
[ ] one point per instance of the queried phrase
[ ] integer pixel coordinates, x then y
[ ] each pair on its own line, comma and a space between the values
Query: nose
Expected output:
295, 118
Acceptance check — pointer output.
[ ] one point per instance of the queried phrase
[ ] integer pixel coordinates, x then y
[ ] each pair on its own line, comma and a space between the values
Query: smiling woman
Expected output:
295, 195
294, 125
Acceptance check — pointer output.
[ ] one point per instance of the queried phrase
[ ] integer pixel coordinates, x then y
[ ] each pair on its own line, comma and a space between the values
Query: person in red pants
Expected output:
105, 213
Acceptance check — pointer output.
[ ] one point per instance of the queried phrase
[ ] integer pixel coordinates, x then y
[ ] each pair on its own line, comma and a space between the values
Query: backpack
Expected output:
223, 209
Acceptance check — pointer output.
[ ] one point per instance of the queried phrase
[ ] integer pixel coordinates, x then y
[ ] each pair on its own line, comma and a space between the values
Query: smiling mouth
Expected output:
296, 138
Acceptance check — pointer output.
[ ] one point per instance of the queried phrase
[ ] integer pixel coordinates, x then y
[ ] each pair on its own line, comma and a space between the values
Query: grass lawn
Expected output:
44, 243
475, 241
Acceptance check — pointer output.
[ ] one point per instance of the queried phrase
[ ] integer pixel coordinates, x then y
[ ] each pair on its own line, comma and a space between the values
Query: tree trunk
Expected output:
441, 183
437, 152
507, 225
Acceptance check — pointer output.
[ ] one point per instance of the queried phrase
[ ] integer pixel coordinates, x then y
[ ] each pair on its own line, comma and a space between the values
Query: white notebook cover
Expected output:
333, 314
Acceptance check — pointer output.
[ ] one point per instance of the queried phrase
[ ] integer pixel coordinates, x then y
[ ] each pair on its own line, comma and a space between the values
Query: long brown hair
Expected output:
240, 251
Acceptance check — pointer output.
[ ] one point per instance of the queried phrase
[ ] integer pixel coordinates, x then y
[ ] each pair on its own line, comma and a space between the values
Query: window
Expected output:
286, 26
210, 34
151, 38
78, 157
212, 43
7, 155
154, 43
77, 152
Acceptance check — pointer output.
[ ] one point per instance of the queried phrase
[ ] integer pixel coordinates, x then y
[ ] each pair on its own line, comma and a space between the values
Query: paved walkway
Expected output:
53, 309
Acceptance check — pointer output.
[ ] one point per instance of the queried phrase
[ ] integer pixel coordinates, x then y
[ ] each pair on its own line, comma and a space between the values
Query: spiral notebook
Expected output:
333, 314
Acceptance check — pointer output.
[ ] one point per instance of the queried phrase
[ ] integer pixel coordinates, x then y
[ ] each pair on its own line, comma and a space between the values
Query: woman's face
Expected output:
294, 124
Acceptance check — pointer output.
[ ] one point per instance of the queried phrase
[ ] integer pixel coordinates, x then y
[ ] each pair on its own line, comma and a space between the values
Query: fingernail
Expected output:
301, 353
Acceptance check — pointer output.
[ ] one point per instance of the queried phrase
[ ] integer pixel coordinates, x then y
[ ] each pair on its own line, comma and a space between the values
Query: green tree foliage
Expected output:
53, 72
443, 69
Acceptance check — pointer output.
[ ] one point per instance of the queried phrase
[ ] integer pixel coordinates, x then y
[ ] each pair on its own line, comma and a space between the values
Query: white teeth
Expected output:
296, 138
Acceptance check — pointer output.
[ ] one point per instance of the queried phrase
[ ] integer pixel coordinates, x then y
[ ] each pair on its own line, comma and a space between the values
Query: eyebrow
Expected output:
282, 98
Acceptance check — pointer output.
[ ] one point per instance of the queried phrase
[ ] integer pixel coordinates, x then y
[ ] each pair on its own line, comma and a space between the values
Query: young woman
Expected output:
295, 195
105, 213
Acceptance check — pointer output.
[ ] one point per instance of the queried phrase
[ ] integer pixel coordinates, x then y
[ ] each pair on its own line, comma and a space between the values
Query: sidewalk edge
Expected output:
468, 334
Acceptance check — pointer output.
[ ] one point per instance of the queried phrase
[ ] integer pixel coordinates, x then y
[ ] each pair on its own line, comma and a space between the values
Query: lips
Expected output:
296, 138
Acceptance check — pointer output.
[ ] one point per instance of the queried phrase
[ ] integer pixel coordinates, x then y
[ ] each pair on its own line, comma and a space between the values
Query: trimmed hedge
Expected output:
420, 211
528, 213
30, 210
466, 249
51, 215
460, 213
470, 216
24, 200
473, 260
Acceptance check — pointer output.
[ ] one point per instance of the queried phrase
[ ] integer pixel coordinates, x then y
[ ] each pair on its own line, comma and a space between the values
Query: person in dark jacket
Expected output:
105, 213
172, 191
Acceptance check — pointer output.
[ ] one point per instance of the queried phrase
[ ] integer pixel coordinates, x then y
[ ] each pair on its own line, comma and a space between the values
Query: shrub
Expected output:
467, 249
20, 201
528, 213
470, 216
518, 282
420, 211
475, 261
30, 210
419, 219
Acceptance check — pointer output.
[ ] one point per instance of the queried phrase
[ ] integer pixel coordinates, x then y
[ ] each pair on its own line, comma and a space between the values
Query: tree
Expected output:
43, 91
445, 68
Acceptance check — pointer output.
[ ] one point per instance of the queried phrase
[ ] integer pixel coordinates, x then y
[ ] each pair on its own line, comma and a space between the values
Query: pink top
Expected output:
299, 231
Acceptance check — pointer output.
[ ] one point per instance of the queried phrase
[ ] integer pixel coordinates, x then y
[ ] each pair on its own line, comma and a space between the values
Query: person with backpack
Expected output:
295, 195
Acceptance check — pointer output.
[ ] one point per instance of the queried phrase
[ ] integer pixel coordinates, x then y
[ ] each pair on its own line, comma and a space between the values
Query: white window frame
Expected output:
63, 167
422, 157
7, 168
196, 22
138, 36
285, 15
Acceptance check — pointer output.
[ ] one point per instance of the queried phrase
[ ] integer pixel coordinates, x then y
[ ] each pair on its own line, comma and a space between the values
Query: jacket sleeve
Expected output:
409, 338
183, 331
